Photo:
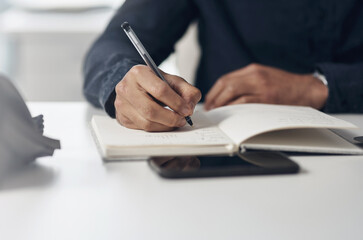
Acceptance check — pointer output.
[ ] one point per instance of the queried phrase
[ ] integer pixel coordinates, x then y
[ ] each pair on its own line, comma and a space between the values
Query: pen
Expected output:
145, 56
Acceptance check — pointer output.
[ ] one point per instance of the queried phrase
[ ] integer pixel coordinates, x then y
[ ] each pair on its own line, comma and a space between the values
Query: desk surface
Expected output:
74, 195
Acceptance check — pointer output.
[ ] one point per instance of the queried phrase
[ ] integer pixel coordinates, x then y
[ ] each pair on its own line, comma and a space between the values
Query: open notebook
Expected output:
229, 129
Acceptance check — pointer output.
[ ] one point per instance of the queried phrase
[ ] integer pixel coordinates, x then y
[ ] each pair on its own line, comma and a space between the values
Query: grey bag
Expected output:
21, 136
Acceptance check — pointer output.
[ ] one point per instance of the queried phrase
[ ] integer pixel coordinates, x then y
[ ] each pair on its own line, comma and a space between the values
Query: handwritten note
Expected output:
202, 133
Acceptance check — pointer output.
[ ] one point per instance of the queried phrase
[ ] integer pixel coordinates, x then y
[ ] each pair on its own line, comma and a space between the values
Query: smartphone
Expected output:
248, 163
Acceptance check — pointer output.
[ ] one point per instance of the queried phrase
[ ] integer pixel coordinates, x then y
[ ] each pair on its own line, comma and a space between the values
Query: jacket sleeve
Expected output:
345, 82
345, 73
158, 23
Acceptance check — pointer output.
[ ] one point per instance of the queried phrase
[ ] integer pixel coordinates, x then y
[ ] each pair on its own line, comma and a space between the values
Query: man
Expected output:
252, 52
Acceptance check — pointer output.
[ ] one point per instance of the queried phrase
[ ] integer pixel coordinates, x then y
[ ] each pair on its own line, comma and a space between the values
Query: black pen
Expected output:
145, 55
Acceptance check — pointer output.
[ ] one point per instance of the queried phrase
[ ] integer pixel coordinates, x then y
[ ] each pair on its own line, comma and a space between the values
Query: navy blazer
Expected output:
299, 36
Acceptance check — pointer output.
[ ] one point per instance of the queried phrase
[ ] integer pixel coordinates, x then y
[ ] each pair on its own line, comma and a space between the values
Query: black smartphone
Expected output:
248, 163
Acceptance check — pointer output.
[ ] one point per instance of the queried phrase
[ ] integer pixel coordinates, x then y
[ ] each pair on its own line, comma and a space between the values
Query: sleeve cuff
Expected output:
333, 103
345, 87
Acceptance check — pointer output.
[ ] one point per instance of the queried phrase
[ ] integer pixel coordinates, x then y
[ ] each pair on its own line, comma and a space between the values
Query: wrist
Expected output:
320, 77
319, 90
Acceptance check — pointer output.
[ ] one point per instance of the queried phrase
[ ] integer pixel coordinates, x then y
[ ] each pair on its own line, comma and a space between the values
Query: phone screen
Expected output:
249, 163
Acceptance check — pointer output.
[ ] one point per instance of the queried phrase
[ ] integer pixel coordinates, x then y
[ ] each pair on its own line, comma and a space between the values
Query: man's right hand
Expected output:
135, 108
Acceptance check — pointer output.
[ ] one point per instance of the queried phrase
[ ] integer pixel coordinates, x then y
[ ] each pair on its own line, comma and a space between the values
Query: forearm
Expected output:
113, 55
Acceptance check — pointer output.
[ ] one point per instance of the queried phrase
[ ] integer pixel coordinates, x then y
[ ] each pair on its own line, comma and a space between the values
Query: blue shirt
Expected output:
298, 36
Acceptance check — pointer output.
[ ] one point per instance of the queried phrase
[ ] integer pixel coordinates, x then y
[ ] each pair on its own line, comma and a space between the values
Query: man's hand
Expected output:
261, 84
136, 96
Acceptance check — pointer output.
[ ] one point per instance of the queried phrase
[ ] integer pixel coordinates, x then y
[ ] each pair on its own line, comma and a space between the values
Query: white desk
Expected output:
74, 195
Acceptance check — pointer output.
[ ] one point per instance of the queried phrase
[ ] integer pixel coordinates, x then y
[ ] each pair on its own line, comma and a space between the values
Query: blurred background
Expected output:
43, 44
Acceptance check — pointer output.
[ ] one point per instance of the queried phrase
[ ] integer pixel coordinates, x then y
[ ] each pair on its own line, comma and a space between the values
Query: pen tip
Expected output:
189, 121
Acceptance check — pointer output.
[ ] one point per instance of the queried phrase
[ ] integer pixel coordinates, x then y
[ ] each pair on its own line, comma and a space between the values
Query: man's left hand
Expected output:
261, 84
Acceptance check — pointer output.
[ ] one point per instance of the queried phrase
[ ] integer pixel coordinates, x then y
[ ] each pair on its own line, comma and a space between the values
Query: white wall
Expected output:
3, 50
43, 52
3, 5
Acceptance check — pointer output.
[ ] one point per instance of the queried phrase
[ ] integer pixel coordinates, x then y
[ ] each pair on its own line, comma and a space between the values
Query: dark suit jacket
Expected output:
299, 36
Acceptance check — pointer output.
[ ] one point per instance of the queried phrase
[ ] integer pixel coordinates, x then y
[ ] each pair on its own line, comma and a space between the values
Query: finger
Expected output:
229, 93
216, 89
139, 122
246, 99
120, 107
188, 92
130, 92
236, 89
161, 91
232, 88
222, 83
125, 121
130, 118
152, 111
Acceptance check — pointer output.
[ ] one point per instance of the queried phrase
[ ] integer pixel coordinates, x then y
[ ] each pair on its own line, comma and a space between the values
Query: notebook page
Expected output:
303, 140
241, 122
203, 133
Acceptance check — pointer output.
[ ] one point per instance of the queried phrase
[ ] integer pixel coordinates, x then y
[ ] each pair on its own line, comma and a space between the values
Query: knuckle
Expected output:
120, 105
127, 122
122, 87
266, 84
197, 94
117, 104
148, 113
147, 126
123, 121
223, 81
178, 105
159, 90
261, 74
254, 66
136, 70
230, 89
